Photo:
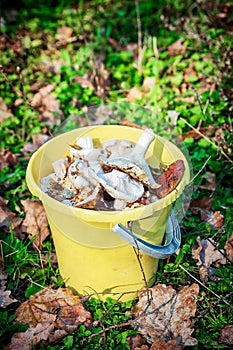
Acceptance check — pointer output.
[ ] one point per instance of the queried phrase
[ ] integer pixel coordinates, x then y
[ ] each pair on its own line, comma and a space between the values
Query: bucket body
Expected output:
91, 257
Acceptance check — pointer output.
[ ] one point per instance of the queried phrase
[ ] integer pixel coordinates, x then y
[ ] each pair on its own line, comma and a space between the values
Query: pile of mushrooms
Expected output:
114, 176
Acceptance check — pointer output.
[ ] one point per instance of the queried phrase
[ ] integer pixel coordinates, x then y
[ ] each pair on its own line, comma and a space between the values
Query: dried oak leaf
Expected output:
47, 105
4, 111
229, 248
8, 219
7, 158
37, 141
160, 344
177, 48
5, 298
60, 307
35, 222
205, 253
167, 315
226, 335
32, 336
134, 94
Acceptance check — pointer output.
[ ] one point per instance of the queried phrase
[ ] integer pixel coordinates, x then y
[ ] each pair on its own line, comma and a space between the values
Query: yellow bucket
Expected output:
91, 257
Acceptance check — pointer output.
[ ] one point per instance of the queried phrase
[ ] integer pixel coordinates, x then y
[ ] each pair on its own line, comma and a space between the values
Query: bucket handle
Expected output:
172, 239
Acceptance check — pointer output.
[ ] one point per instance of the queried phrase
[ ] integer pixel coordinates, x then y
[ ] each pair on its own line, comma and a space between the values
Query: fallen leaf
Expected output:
229, 248
8, 219
148, 84
60, 307
64, 33
160, 344
177, 48
135, 341
214, 219
5, 298
4, 111
208, 131
211, 181
190, 71
226, 335
205, 253
7, 158
32, 336
134, 94
84, 81
167, 315
48, 105
35, 222
37, 141
202, 206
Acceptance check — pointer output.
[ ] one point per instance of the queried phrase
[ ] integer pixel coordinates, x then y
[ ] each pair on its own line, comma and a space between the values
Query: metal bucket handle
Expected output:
172, 239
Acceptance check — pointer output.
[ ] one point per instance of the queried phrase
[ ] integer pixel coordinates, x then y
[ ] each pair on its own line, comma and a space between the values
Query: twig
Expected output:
115, 326
202, 284
210, 307
207, 139
137, 253
203, 166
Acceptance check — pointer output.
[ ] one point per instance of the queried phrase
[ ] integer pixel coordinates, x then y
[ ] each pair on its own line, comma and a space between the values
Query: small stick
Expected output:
202, 284
119, 325
207, 139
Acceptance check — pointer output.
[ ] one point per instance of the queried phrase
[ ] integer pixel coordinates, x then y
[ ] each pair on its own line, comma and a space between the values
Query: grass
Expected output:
193, 80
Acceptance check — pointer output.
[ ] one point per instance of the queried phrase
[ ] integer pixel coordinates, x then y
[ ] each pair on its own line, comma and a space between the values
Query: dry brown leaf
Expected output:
190, 71
177, 48
8, 219
200, 204
205, 253
64, 33
135, 341
47, 105
148, 84
134, 94
59, 306
37, 141
5, 298
208, 131
35, 222
211, 181
167, 316
160, 344
4, 111
84, 81
229, 248
214, 219
7, 158
32, 336
226, 335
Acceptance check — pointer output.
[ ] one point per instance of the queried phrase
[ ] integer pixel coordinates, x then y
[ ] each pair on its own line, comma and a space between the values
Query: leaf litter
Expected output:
50, 314
167, 315
205, 253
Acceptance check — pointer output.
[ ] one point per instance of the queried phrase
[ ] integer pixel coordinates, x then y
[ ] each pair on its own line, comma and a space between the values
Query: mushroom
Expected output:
121, 186
133, 162
60, 167
86, 198
116, 147
84, 149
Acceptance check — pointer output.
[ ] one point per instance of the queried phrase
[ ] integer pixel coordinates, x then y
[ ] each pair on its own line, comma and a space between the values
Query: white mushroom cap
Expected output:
121, 186
60, 167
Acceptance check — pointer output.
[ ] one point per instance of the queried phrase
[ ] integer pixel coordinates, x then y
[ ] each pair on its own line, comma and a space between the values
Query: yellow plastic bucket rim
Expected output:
90, 215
